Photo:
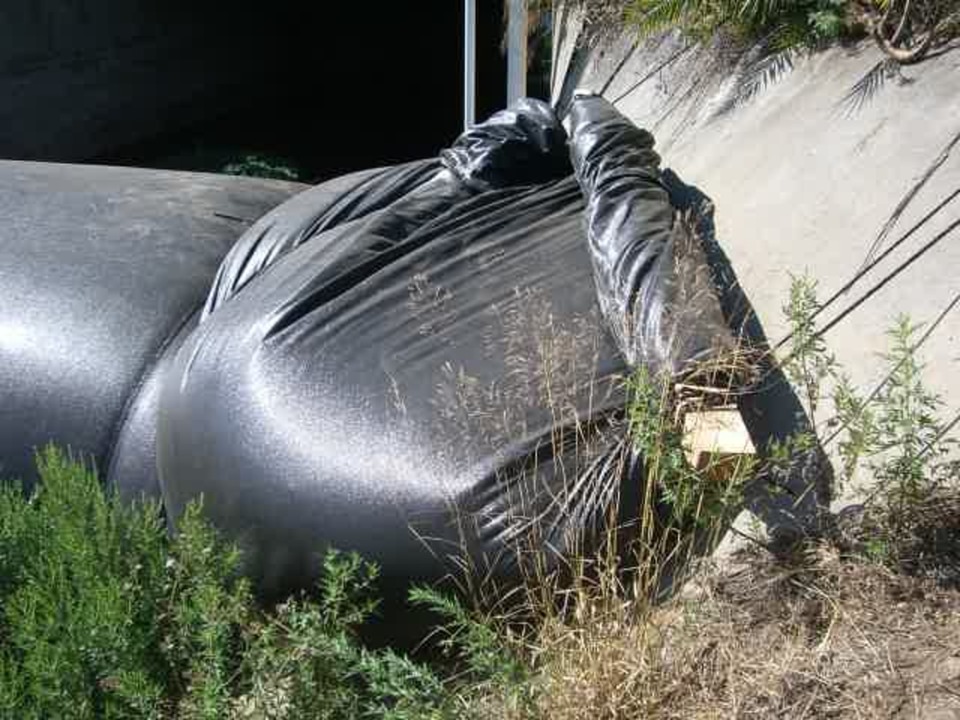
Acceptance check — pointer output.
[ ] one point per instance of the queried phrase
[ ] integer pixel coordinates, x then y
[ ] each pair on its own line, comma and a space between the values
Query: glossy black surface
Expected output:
99, 267
412, 363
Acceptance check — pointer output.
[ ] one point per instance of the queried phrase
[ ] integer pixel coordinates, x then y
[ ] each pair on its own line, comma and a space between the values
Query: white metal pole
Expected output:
469, 62
516, 51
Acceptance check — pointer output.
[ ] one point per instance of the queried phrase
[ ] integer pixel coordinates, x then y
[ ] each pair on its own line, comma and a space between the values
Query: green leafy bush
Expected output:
696, 497
782, 24
262, 166
905, 32
102, 615
894, 439
82, 600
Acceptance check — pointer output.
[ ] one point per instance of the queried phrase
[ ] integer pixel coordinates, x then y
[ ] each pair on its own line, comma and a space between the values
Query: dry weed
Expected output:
817, 635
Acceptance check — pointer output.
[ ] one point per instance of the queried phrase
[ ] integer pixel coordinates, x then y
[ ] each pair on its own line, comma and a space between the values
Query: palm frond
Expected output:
651, 16
757, 76
867, 87
760, 12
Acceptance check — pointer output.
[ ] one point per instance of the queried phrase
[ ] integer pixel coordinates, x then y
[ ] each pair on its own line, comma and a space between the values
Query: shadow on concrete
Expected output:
789, 500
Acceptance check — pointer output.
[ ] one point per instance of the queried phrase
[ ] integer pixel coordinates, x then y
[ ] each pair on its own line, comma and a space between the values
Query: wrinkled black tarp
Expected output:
413, 363
422, 363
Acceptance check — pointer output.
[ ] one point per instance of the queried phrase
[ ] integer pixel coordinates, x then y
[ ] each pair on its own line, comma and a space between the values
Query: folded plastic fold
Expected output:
654, 285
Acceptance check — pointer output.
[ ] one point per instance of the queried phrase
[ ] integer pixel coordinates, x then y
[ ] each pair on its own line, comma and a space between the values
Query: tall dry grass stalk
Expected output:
588, 543
629, 618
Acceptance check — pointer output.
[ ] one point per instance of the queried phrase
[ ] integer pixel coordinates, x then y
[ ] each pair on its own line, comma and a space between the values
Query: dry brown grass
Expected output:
825, 632
816, 635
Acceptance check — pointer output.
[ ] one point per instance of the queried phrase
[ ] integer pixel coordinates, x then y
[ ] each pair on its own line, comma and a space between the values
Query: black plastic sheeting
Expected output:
423, 363
413, 363
99, 269
654, 284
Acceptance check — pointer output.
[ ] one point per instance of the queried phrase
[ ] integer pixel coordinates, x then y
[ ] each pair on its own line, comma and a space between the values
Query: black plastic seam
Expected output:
148, 366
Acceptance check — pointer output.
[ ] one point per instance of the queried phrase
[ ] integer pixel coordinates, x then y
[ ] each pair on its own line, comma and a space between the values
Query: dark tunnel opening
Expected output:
323, 88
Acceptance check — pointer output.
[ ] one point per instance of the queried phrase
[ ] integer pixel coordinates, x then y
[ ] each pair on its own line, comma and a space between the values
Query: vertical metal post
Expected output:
516, 51
469, 63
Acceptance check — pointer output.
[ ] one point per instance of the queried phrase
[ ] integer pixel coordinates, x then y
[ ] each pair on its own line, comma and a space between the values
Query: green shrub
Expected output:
782, 25
895, 436
695, 496
907, 438
82, 600
904, 32
473, 641
262, 166
102, 615
305, 660
206, 605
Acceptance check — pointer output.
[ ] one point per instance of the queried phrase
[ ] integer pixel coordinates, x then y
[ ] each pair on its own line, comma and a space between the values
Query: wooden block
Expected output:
715, 435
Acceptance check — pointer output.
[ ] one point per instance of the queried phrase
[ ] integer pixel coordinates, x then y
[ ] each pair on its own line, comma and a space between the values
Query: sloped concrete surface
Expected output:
805, 173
